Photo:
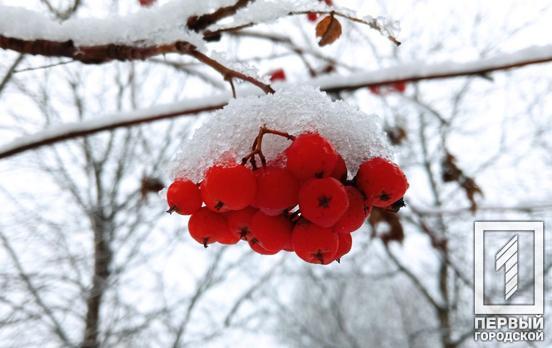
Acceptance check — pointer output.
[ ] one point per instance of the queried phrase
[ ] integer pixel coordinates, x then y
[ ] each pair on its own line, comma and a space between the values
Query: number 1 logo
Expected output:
507, 259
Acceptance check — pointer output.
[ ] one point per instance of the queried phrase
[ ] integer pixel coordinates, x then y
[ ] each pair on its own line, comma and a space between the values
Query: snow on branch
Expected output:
154, 31
420, 72
429, 71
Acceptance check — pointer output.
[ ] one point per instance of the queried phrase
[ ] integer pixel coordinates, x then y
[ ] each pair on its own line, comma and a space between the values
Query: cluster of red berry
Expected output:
302, 201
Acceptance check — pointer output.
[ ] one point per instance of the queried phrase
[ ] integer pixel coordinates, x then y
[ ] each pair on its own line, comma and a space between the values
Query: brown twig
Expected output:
256, 148
198, 23
373, 23
105, 53
226, 72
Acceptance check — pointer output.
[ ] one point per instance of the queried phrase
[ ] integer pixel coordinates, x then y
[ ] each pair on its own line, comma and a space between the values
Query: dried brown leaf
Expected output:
328, 30
396, 134
150, 185
395, 231
451, 172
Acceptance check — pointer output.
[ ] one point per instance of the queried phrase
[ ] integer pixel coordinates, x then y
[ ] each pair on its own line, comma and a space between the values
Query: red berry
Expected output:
313, 243
146, 3
278, 75
206, 226
328, 2
258, 248
239, 222
312, 16
382, 181
375, 89
311, 156
399, 86
345, 245
277, 189
272, 212
355, 215
272, 232
323, 201
184, 197
340, 170
228, 188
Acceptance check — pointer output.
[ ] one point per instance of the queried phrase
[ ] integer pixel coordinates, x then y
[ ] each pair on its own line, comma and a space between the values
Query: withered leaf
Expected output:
451, 172
328, 30
395, 232
150, 185
471, 188
396, 134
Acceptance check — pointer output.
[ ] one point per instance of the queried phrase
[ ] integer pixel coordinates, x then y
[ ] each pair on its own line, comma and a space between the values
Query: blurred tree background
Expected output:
89, 258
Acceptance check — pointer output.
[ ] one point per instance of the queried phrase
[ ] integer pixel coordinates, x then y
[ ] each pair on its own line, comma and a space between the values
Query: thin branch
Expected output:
419, 72
415, 280
10, 72
198, 23
58, 329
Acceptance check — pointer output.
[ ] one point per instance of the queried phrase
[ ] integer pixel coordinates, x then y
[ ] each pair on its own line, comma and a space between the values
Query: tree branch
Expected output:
198, 23
419, 72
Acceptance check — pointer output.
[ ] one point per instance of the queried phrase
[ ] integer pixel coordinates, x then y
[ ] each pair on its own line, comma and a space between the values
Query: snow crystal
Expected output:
293, 109
156, 25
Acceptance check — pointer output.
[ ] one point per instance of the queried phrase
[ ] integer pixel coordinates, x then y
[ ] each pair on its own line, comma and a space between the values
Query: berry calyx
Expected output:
345, 245
311, 156
239, 222
323, 201
206, 226
272, 232
228, 188
382, 181
313, 243
356, 213
258, 248
340, 169
277, 189
183, 197
396, 206
278, 75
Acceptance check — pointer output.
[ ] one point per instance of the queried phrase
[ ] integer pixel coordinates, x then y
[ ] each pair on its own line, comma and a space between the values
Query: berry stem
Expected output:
256, 148
171, 210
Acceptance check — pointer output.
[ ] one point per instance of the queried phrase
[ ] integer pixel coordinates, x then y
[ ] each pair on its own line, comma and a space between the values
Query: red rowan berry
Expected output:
345, 245
312, 16
382, 181
239, 222
278, 75
258, 248
206, 226
183, 197
399, 86
272, 232
311, 156
323, 201
228, 188
313, 243
340, 170
146, 3
277, 189
355, 215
